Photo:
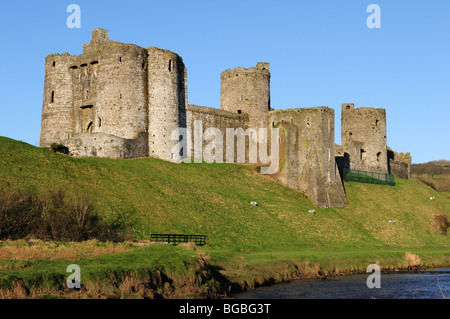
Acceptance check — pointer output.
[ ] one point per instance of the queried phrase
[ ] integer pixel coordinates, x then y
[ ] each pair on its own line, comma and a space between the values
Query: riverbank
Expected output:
144, 270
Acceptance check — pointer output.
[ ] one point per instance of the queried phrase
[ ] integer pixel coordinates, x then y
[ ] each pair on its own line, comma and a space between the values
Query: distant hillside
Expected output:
444, 163
436, 174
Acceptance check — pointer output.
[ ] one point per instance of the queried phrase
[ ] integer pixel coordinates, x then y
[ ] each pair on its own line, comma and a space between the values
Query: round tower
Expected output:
120, 107
57, 111
247, 91
167, 80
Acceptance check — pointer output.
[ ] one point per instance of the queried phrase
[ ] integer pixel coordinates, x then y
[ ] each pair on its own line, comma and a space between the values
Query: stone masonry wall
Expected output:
363, 136
103, 90
214, 118
57, 108
247, 91
399, 164
167, 89
307, 159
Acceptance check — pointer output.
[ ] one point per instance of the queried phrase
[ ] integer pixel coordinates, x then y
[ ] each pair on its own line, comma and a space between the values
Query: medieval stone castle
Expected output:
119, 100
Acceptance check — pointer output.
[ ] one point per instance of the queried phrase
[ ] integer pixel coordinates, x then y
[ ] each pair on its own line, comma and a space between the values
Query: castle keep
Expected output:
119, 100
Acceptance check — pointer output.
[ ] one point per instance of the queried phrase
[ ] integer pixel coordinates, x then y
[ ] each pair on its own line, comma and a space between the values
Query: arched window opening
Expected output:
379, 157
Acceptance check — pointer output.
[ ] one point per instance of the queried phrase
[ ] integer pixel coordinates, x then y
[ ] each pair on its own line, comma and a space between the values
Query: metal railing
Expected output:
175, 239
368, 177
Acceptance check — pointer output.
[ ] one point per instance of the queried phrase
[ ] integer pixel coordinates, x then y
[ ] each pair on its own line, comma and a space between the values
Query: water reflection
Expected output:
430, 284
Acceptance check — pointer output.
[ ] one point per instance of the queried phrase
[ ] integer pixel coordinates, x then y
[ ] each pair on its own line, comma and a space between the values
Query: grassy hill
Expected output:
250, 245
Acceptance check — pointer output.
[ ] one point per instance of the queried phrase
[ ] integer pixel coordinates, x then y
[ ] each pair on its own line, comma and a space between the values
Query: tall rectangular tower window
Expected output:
170, 65
52, 97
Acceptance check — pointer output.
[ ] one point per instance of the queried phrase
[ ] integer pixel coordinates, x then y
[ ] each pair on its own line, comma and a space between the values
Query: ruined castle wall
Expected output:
167, 90
399, 164
307, 154
363, 137
84, 72
57, 111
214, 118
108, 146
247, 91
102, 91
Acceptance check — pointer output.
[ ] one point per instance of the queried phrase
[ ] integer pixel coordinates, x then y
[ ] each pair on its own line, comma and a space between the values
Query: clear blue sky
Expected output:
321, 53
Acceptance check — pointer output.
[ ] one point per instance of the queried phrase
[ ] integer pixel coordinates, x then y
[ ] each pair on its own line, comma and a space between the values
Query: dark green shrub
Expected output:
52, 217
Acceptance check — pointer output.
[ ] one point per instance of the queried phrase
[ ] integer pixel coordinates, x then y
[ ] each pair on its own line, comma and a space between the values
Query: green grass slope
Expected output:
247, 245
152, 196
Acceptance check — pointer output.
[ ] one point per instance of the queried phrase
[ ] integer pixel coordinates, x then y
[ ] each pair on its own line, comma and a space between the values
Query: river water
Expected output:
430, 284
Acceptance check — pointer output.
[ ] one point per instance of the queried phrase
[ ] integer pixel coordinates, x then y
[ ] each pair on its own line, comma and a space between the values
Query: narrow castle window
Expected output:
120, 59
379, 157
377, 123
99, 122
52, 98
363, 154
89, 127
170, 65
54, 63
